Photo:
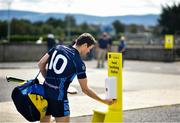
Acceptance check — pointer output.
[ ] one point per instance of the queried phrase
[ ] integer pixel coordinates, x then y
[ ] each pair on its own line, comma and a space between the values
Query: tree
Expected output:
84, 27
70, 23
118, 26
21, 26
55, 22
70, 20
169, 20
3, 29
133, 28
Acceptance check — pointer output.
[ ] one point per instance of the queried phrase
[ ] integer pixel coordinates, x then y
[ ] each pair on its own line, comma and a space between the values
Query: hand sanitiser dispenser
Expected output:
110, 86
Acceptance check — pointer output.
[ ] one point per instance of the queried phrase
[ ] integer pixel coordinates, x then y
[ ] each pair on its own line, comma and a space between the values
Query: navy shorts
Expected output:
58, 108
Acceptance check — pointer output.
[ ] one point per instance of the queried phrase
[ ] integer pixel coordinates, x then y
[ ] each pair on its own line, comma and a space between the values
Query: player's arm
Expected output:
91, 93
109, 47
124, 47
123, 50
42, 64
97, 46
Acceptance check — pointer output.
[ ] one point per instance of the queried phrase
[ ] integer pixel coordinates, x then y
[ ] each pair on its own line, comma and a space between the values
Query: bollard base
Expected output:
105, 116
113, 116
98, 116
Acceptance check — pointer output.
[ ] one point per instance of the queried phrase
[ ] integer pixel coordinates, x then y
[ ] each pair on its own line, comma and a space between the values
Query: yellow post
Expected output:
115, 69
114, 112
169, 41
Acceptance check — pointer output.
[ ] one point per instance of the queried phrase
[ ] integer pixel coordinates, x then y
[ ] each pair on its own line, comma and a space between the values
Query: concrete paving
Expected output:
151, 84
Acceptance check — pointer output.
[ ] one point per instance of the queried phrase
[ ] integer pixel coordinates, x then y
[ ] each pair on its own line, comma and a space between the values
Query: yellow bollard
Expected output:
169, 41
112, 113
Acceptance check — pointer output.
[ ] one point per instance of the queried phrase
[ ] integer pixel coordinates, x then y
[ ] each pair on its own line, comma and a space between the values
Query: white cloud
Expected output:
92, 7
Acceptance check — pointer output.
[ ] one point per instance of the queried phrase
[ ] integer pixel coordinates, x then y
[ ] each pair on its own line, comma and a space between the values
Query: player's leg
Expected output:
64, 119
46, 119
103, 57
60, 111
99, 52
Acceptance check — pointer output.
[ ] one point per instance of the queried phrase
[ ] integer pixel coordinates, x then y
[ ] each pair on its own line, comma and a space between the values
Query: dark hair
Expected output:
85, 38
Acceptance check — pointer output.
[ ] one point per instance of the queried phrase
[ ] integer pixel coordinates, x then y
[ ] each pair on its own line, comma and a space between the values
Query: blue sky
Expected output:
90, 7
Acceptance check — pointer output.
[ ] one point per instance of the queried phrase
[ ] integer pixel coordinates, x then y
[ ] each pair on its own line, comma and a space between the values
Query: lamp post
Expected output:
68, 3
69, 23
9, 22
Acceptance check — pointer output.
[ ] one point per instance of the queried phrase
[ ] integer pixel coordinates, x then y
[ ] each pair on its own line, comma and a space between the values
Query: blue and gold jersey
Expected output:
63, 65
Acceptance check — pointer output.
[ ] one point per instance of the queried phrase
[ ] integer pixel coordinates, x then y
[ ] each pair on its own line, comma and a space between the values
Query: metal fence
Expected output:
149, 39
152, 41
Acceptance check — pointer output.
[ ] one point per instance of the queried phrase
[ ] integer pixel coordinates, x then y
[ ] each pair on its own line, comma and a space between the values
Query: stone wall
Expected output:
21, 52
33, 52
151, 53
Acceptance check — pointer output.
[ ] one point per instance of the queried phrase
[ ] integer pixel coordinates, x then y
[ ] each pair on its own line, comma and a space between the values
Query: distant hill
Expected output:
146, 20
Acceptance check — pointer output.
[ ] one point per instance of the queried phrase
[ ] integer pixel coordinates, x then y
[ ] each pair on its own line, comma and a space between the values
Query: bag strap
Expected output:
36, 81
37, 75
36, 78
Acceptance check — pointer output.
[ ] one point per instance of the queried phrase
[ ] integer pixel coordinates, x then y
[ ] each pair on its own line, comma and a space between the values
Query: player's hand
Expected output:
109, 101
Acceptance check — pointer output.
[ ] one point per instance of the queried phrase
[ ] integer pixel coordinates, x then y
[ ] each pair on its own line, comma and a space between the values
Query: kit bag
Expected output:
29, 100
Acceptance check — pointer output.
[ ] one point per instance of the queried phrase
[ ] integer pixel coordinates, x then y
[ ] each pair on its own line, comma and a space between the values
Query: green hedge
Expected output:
23, 38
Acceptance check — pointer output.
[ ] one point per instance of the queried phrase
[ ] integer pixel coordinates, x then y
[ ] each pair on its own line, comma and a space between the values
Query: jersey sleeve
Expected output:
80, 68
51, 51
